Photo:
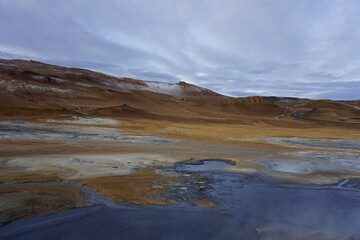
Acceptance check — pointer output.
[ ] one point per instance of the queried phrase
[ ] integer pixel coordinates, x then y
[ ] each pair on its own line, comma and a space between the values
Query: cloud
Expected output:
148, 75
234, 47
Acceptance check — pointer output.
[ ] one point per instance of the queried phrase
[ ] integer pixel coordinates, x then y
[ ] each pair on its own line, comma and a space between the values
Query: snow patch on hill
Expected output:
164, 88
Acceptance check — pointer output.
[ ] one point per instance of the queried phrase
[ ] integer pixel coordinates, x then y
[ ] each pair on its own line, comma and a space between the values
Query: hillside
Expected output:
29, 87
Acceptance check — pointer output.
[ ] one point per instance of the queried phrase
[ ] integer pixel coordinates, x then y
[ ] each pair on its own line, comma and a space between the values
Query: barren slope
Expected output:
29, 87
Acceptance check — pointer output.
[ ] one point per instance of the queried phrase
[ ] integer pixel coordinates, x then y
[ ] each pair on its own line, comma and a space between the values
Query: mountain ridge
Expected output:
80, 88
32, 88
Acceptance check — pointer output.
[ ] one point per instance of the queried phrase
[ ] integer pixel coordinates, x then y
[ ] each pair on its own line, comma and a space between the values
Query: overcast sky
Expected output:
295, 48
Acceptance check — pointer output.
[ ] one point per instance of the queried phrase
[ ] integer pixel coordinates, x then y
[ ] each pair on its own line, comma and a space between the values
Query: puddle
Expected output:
248, 206
203, 165
194, 178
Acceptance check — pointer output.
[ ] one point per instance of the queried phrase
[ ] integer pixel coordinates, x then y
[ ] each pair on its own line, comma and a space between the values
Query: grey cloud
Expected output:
347, 93
13, 56
239, 93
95, 66
155, 76
235, 47
321, 75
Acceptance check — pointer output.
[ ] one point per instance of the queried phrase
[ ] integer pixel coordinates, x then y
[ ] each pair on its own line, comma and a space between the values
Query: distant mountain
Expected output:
35, 87
30, 88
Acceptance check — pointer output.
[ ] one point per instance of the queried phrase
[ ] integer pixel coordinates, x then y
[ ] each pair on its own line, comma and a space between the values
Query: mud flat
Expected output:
340, 144
143, 185
20, 130
27, 200
87, 121
249, 208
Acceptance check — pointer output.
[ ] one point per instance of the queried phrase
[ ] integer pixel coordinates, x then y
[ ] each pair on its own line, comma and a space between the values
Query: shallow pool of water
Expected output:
249, 208
203, 165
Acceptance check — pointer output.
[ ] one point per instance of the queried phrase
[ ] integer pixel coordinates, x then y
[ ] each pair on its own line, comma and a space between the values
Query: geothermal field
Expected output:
84, 155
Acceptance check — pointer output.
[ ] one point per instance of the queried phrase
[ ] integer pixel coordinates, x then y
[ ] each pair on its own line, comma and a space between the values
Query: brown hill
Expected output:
324, 111
29, 88
333, 111
34, 88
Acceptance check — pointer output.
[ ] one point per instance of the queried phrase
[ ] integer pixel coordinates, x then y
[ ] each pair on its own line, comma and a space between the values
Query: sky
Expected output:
307, 48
